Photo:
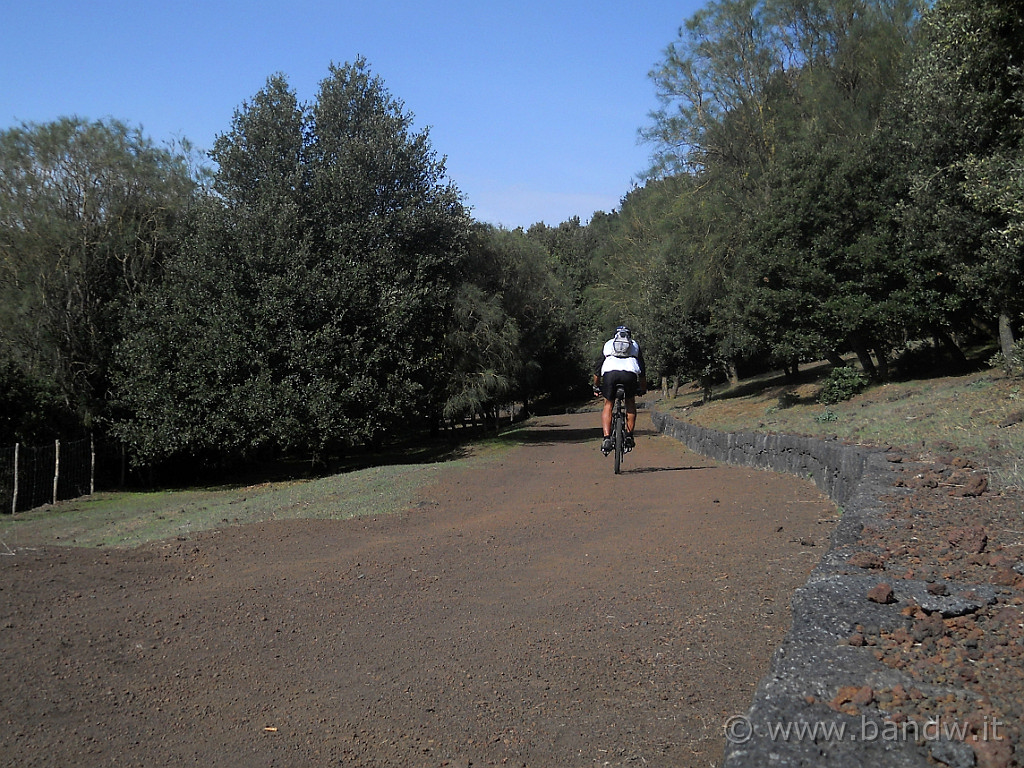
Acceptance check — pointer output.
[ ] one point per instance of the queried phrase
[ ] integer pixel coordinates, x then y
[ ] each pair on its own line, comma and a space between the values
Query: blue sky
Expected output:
535, 104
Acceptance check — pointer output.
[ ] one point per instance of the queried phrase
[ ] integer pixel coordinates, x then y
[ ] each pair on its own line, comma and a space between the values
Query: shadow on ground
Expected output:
645, 470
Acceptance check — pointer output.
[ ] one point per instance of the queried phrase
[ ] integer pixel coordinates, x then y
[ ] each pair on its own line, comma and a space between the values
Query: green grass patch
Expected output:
129, 519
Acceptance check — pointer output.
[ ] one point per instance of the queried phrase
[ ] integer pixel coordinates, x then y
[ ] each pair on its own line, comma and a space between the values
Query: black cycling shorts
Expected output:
627, 379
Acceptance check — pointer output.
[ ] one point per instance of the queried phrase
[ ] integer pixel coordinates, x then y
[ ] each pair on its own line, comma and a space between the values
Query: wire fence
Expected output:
31, 476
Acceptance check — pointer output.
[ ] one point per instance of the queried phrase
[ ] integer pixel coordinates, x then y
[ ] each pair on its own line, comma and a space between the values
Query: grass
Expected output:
129, 519
980, 414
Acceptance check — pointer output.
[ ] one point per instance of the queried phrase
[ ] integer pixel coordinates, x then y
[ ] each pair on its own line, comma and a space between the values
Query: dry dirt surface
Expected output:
539, 611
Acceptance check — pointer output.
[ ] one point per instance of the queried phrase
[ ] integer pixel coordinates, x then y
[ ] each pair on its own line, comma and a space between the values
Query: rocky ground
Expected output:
906, 644
966, 657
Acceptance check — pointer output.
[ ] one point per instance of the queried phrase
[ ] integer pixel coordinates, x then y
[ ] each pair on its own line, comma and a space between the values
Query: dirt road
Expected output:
538, 612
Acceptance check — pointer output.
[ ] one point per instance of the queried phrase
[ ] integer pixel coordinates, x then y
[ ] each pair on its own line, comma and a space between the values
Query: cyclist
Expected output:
621, 362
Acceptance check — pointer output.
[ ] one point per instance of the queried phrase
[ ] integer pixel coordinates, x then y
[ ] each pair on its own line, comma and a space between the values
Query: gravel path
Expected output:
538, 612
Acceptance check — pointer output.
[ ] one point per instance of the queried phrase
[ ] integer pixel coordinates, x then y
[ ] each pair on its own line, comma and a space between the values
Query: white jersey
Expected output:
614, 363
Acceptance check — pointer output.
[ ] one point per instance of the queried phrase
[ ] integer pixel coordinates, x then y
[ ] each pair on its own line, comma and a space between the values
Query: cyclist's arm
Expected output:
598, 365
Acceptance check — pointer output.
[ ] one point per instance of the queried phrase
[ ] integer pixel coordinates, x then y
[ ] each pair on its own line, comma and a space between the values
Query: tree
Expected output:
712, 86
960, 119
515, 335
486, 364
742, 71
397, 231
996, 184
30, 411
768, 107
821, 271
571, 246
88, 212
307, 308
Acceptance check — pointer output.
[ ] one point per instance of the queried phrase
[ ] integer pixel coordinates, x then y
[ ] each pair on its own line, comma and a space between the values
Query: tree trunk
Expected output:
1006, 340
883, 364
864, 355
676, 382
960, 360
705, 384
834, 357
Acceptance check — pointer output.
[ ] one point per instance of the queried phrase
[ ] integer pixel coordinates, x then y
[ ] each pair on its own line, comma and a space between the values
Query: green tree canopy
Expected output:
514, 335
782, 234
307, 308
960, 124
88, 212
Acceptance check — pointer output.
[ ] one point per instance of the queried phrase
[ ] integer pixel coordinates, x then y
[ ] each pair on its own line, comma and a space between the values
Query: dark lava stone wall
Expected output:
835, 468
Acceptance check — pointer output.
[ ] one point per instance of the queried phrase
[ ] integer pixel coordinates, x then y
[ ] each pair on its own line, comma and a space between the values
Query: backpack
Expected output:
622, 346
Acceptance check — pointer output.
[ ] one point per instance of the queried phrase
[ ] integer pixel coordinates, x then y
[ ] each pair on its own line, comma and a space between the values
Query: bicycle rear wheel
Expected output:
619, 435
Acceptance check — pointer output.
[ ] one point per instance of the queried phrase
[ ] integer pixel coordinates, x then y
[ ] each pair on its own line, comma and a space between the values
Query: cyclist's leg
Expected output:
630, 443
631, 389
608, 390
606, 428
630, 414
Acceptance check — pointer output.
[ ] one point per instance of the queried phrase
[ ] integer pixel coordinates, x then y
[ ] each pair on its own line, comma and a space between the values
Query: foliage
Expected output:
819, 273
711, 86
513, 335
842, 384
307, 307
651, 273
745, 75
571, 247
88, 212
770, 108
1012, 364
828, 176
30, 411
961, 119
484, 347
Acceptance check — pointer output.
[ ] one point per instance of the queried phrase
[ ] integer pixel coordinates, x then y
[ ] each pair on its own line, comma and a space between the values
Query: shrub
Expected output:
1014, 366
842, 384
826, 416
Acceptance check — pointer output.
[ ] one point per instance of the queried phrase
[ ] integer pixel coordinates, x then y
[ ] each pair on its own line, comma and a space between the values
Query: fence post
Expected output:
14, 501
92, 464
56, 468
